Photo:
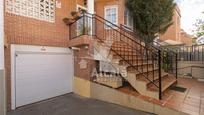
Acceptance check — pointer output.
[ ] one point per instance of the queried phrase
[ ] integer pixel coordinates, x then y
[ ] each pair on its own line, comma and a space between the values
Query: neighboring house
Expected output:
186, 38
175, 35
173, 32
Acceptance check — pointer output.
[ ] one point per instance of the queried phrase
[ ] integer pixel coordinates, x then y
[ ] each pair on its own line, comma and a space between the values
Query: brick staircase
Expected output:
132, 75
137, 62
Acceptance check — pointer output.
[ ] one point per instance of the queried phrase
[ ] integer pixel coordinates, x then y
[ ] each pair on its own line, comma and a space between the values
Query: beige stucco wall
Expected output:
196, 72
2, 93
111, 95
89, 89
82, 87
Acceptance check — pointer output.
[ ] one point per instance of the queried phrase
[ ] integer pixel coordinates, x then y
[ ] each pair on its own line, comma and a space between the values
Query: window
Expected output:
111, 14
37, 9
128, 19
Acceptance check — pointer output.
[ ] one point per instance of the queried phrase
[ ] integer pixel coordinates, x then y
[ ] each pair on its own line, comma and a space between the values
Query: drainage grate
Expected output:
179, 89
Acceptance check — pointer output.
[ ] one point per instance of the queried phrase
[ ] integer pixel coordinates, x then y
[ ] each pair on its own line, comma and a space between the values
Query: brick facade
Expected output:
86, 54
186, 38
28, 31
101, 4
173, 32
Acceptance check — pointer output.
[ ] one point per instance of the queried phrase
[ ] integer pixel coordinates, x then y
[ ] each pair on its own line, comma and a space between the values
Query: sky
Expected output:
191, 10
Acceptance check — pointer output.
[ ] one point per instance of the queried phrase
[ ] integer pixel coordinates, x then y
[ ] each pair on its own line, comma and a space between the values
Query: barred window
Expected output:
37, 9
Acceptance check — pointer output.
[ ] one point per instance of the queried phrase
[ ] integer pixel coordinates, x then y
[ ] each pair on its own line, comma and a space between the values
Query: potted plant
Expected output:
75, 15
167, 66
68, 21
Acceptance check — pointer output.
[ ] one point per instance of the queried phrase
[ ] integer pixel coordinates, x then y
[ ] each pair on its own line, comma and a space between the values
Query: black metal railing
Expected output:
191, 53
80, 27
141, 57
169, 57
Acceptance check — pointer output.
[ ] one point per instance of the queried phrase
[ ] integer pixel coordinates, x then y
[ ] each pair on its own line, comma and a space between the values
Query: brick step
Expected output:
151, 77
127, 57
130, 50
101, 40
134, 65
139, 48
149, 72
139, 60
166, 83
125, 47
120, 45
125, 53
124, 63
134, 70
116, 43
126, 43
134, 62
141, 66
131, 43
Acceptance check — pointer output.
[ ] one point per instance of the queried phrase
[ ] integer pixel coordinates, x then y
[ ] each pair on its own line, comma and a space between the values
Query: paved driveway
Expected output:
72, 104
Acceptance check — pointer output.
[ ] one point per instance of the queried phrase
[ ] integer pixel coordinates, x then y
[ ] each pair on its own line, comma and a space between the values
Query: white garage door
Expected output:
41, 76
